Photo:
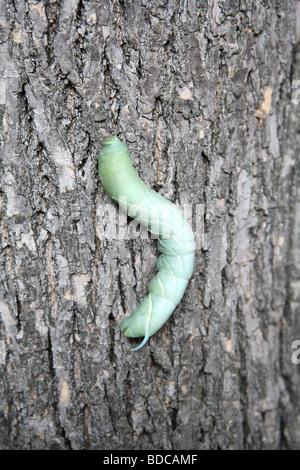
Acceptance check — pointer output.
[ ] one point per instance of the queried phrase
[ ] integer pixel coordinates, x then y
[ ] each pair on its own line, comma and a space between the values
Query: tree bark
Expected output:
205, 95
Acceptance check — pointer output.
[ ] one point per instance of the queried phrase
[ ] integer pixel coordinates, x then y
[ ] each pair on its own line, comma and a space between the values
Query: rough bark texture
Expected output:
201, 93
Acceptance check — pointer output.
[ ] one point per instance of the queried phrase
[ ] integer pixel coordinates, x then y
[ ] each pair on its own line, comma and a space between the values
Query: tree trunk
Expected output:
206, 96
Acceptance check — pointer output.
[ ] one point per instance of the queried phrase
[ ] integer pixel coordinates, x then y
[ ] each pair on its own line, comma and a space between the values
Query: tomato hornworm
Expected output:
176, 243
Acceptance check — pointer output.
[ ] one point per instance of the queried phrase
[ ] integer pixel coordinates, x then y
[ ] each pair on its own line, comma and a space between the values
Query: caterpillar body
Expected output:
176, 243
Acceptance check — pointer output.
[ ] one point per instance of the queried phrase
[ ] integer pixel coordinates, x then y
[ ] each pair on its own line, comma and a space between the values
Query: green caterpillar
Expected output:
176, 242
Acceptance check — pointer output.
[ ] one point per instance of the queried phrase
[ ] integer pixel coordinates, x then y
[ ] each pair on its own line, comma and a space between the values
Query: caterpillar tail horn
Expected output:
147, 336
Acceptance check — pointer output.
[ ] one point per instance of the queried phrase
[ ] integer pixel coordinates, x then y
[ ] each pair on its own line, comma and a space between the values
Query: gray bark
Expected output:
205, 95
